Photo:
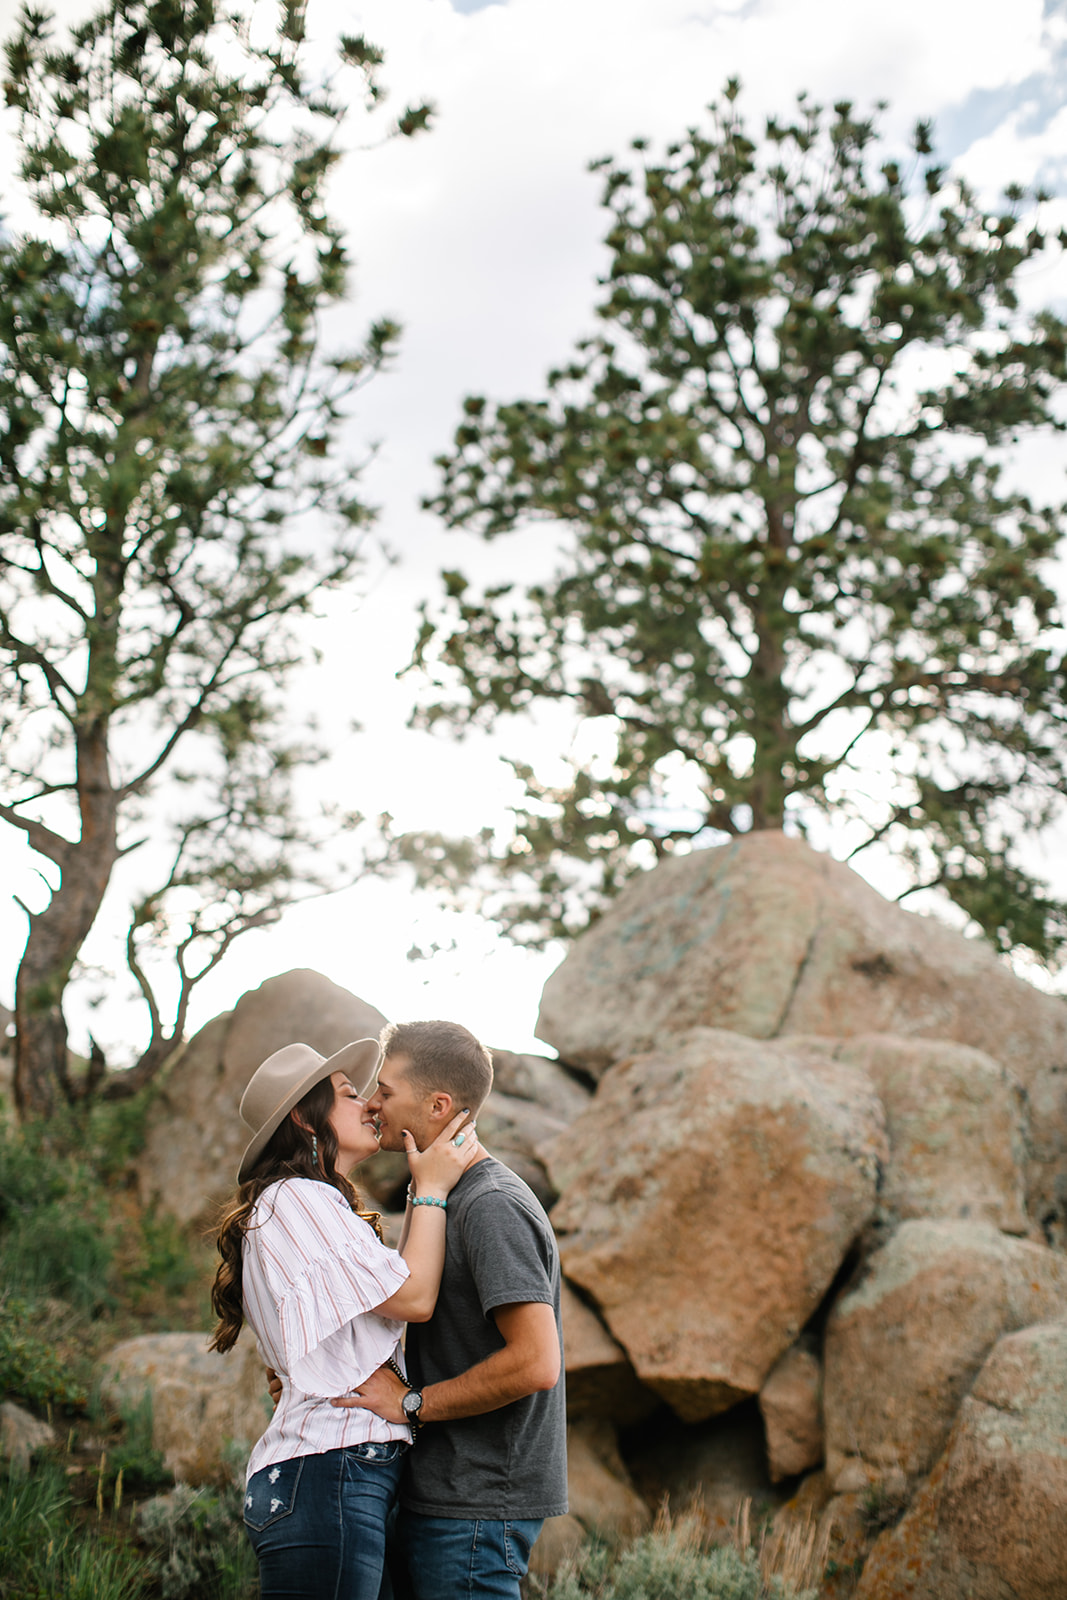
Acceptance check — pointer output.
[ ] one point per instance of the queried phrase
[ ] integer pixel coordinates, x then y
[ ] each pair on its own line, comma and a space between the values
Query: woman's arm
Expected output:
528, 1363
422, 1242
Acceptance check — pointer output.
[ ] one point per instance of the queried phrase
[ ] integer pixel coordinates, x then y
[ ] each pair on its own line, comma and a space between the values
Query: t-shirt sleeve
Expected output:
325, 1267
508, 1253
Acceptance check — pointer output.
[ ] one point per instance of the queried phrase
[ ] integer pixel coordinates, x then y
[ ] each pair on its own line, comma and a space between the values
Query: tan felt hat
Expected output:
285, 1078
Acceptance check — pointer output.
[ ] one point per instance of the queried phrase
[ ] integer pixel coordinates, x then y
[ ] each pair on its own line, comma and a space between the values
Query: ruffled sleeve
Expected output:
326, 1269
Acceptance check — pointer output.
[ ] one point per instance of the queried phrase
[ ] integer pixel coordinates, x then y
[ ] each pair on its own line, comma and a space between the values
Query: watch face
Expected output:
411, 1403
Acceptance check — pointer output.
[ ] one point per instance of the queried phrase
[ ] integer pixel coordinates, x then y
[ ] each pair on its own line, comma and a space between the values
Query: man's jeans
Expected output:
317, 1523
450, 1559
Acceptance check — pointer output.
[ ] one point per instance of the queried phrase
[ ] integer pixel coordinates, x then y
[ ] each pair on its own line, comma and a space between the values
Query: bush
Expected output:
62, 1235
198, 1546
671, 1563
30, 1367
157, 1265
55, 1237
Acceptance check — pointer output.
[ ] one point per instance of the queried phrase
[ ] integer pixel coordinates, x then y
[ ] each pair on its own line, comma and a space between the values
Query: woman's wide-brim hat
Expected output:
285, 1078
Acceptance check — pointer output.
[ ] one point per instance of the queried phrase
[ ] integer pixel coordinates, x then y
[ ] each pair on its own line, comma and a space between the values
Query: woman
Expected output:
326, 1301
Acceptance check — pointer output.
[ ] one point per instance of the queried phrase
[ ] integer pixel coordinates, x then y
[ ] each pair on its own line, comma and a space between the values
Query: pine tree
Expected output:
793, 553
170, 505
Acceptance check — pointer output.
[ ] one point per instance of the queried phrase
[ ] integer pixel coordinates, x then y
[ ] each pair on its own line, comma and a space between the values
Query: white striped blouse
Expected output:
312, 1273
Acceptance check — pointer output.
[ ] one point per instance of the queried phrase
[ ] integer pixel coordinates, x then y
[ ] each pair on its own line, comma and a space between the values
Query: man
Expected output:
486, 1370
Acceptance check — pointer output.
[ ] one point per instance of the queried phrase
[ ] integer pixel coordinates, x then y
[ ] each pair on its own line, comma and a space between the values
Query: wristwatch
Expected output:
411, 1405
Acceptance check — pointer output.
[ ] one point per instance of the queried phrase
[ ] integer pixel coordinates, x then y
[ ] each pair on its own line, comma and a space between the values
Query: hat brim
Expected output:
362, 1056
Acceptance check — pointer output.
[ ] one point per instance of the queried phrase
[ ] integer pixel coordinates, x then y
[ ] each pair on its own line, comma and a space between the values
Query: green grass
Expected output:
81, 1264
48, 1552
83, 1267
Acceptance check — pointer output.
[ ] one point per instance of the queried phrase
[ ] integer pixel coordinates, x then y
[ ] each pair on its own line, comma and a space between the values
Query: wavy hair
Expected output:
288, 1154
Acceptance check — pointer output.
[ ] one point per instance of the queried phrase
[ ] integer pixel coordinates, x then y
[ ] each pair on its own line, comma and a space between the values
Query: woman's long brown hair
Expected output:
287, 1155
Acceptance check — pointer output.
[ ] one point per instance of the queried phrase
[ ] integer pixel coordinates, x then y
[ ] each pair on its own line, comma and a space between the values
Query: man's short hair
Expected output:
442, 1055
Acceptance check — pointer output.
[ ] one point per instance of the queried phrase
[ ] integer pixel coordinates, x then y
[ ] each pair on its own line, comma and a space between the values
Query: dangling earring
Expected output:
314, 1151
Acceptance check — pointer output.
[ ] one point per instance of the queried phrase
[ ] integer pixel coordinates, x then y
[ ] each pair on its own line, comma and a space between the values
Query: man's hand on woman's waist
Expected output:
528, 1363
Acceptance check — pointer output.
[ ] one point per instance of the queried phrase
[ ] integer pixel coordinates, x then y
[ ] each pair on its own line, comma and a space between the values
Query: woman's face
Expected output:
354, 1131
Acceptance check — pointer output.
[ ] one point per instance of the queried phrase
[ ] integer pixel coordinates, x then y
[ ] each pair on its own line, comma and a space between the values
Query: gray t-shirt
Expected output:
510, 1463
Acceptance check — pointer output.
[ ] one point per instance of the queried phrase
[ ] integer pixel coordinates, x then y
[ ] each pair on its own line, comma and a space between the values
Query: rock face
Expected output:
202, 1403
600, 1380
767, 937
541, 1080
991, 1522
599, 1489
790, 1404
958, 1131
514, 1130
195, 1136
903, 1348
709, 1195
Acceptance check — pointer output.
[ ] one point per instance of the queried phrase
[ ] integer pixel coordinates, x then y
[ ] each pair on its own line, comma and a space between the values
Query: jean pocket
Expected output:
519, 1540
382, 1452
271, 1493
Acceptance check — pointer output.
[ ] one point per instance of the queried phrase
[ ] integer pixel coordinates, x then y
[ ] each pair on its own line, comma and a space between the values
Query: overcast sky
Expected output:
483, 238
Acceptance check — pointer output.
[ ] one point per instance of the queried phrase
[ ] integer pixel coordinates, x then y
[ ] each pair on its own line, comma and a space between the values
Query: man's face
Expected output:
396, 1106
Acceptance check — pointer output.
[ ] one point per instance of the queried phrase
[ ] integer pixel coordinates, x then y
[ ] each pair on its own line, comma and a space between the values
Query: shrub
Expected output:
157, 1266
671, 1563
55, 1237
30, 1367
198, 1548
674, 1562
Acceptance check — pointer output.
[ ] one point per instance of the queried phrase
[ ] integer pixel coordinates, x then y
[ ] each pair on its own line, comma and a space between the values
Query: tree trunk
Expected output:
57, 934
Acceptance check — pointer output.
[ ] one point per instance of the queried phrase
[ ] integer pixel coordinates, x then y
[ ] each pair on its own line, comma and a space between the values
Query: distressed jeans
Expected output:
454, 1559
317, 1523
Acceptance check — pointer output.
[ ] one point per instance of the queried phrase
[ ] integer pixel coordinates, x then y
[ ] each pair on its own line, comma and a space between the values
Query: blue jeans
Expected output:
317, 1523
452, 1559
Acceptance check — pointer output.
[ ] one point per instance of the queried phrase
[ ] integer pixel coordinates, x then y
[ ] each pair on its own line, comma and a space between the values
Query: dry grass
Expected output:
796, 1553
687, 1528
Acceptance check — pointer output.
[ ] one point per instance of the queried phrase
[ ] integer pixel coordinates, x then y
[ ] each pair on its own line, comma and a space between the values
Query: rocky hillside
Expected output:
806, 1156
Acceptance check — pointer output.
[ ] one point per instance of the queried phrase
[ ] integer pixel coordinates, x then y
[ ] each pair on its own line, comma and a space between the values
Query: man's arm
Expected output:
528, 1363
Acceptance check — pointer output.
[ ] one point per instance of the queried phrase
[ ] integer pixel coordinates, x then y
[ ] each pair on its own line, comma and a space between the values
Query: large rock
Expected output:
22, 1435
768, 937
958, 1131
513, 1130
903, 1347
538, 1078
790, 1404
600, 1380
195, 1136
709, 1195
599, 1488
296, 1007
991, 1522
203, 1405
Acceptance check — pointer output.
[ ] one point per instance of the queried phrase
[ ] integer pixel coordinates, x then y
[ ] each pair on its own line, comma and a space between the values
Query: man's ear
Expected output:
441, 1107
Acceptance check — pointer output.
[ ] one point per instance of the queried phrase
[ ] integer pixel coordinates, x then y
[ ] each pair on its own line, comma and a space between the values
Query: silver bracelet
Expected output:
429, 1200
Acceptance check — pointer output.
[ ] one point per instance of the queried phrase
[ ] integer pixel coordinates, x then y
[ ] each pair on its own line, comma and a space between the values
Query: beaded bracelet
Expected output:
429, 1200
